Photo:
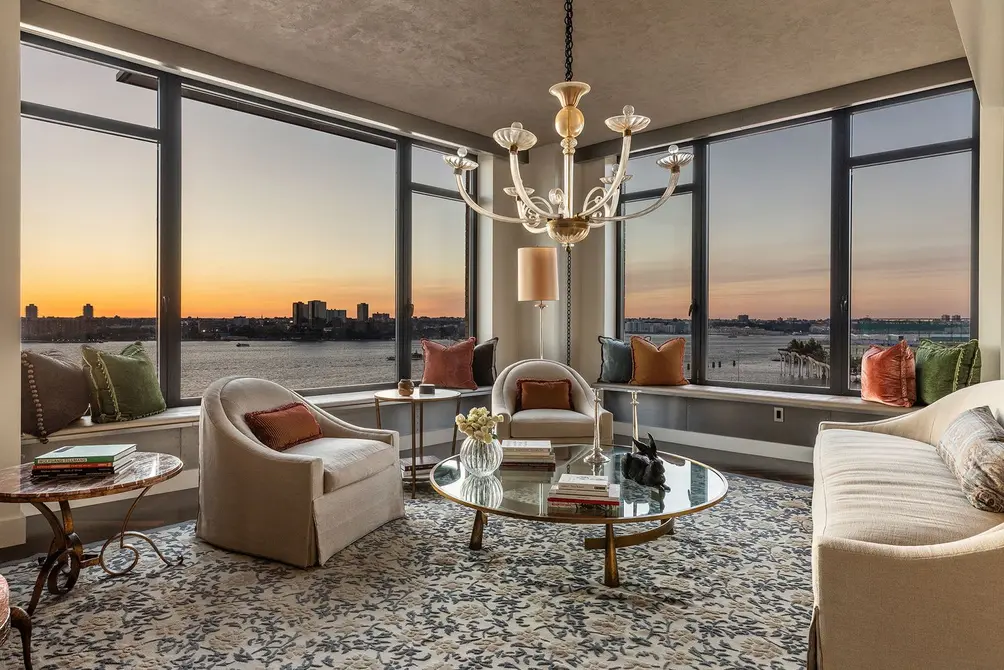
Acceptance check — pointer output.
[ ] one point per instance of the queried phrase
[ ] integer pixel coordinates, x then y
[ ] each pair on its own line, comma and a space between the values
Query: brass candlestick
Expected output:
596, 455
634, 420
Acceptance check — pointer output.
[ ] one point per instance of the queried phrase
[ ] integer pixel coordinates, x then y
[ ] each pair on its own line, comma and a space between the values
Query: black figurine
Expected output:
645, 467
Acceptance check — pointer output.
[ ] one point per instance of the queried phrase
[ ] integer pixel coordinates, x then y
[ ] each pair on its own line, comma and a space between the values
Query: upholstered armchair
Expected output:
557, 425
17, 618
299, 506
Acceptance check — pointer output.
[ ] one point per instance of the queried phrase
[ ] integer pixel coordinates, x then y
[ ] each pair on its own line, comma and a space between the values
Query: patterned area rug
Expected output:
730, 590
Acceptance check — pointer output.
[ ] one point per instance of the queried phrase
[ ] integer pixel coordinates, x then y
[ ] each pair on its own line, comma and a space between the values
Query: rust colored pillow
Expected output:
889, 375
449, 367
543, 394
285, 426
658, 365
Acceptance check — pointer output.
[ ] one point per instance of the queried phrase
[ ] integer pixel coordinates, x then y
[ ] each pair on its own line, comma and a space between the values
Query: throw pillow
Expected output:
661, 365
973, 448
484, 362
944, 369
284, 427
888, 375
449, 367
53, 393
543, 394
615, 361
122, 386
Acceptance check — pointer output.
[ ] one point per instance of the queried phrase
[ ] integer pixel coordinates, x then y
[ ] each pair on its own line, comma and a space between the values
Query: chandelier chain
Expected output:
568, 40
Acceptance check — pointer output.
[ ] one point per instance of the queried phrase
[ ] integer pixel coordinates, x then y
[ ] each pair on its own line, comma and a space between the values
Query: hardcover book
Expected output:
88, 453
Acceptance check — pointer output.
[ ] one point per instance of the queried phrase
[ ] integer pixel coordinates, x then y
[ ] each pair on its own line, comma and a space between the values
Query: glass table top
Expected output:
522, 493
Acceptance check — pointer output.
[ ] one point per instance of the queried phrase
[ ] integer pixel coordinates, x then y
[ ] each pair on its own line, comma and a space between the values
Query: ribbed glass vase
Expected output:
480, 458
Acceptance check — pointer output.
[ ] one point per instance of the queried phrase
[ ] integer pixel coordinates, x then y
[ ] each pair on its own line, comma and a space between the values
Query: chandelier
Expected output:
556, 215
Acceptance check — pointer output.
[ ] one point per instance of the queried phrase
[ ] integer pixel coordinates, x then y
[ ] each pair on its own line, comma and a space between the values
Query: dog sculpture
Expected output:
645, 467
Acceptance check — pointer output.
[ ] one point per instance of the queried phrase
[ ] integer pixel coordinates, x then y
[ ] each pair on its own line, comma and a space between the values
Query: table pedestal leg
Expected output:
610, 574
478, 530
123, 534
414, 449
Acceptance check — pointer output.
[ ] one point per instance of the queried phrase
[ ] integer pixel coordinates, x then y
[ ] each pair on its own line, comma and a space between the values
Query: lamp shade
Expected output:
537, 273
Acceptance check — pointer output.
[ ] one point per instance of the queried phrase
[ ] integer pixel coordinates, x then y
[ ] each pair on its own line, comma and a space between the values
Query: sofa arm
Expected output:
502, 429
916, 425
898, 607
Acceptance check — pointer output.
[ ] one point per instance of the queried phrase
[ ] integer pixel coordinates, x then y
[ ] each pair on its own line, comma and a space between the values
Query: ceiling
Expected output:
482, 64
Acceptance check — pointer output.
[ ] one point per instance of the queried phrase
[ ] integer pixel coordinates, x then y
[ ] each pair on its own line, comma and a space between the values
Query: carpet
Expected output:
731, 589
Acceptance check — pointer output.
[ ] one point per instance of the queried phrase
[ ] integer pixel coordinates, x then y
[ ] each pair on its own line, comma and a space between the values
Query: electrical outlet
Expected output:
779, 415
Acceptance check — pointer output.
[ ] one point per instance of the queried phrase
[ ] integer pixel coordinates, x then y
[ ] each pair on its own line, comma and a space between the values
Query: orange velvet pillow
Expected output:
285, 426
657, 365
449, 367
889, 375
543, 394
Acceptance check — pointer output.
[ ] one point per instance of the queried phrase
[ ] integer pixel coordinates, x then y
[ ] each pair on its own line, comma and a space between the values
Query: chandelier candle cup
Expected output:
481, 453
557, 215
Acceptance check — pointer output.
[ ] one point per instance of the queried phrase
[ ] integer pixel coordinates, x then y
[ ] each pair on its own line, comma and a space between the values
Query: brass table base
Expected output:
61, 566
608, 543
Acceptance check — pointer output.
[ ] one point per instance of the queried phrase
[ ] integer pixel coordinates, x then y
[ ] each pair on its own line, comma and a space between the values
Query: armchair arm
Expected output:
883, 606
332, 426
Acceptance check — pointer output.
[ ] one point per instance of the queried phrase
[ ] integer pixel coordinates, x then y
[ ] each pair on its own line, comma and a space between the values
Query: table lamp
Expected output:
537, 278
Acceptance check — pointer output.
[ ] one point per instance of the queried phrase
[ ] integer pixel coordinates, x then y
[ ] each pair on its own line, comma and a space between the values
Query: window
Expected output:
769, 256
276, 215
440, 248
272, 246
657, 271
88, 219
821, 237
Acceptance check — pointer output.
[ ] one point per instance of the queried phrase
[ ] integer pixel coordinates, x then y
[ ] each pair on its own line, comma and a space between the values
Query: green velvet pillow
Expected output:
123, 386
944, 369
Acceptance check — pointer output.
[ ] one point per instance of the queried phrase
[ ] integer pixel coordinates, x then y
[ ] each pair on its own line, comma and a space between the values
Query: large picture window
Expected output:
280, 243
821, 237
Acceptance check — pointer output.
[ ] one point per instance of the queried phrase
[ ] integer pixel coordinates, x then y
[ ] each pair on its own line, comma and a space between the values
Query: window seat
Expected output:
181, 417
822, 401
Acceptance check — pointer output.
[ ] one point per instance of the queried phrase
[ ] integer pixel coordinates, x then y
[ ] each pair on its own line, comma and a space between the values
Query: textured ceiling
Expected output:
481, 64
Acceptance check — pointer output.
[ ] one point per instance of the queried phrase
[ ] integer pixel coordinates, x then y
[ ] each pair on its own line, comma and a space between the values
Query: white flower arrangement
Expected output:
479, 424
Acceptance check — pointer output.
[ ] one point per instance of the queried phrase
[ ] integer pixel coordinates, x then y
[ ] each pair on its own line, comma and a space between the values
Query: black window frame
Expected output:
171, 89
842, 163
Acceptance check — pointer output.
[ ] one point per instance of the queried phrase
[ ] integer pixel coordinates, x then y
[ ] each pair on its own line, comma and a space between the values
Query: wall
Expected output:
11, 521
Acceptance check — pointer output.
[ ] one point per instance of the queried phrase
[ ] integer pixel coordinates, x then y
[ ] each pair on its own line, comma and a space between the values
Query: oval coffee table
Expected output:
66, 552
522, 494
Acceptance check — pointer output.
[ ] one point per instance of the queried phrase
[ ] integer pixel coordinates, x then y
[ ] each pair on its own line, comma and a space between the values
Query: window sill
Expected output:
787, 399
183, 417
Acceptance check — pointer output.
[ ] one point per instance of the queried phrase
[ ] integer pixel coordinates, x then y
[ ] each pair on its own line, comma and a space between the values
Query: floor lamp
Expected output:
537, 278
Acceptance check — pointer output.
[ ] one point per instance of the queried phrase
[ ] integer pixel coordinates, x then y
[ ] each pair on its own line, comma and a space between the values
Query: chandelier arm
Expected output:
481, 210
544, 203
589, 196
618, 178
674, 177
517, 182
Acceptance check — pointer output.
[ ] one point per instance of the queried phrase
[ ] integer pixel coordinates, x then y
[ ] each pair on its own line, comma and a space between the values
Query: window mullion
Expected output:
169, 239
840, 253
404, 306
699, 266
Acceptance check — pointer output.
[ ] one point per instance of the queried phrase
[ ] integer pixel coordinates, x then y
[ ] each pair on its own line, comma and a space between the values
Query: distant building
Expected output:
31, 311
335, 315
956, 317
317, 311
945, 317
381, 317
300, 313
363, 312
744, 318
88, 311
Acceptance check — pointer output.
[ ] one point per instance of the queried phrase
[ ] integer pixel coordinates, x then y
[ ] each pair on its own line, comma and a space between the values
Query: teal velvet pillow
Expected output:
944, 369
615, 361
123, 386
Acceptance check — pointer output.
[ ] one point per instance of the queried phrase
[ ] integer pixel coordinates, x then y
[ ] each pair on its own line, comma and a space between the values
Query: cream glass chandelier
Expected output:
556, 215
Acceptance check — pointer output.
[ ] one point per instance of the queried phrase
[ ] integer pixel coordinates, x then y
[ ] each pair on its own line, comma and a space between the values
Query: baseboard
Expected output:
787, 452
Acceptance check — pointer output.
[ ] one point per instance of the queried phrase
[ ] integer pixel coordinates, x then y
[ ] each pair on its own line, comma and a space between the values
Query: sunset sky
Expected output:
273, 213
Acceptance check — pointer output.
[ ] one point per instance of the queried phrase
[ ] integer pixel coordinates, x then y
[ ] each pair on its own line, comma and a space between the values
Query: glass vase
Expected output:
480, 458
482, 491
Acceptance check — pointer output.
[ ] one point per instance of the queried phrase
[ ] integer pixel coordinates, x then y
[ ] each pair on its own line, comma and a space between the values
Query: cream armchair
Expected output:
298, 506
558, 426
906, 573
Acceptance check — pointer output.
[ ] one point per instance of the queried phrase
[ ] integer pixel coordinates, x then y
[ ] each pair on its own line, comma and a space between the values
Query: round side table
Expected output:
418, 403
66, 552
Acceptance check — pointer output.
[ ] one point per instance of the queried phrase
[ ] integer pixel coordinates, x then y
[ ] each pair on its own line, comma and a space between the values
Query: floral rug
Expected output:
731, 589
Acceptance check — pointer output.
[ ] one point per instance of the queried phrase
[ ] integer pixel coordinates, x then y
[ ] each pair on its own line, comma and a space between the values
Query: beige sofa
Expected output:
299, 506
557, 425
906, 573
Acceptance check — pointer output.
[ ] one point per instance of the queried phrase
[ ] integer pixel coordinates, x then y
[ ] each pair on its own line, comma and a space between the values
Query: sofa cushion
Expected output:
944, 369
347, 461
449, 367
891, 490
889, 376
484, 362
284, 426
973, 449
615, 361
660, 365
543, 423
54, 393
123, 386
543, 394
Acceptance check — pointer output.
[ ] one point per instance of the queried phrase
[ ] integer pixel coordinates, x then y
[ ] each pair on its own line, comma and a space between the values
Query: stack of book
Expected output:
423, 466
527, 454
584, 490
95, 460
